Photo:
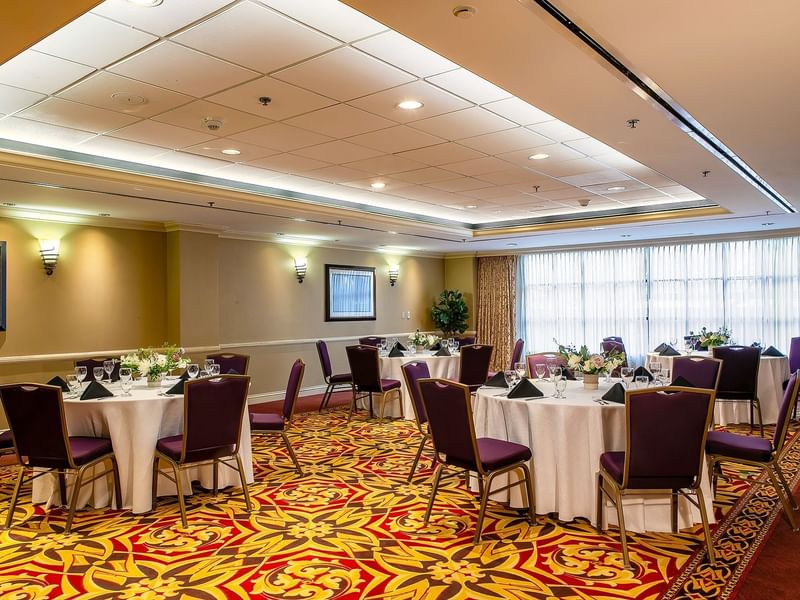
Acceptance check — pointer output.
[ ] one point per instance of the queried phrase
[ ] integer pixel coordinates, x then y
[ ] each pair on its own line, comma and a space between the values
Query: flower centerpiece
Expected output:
589, 363
422, 339
152, 362
710, 338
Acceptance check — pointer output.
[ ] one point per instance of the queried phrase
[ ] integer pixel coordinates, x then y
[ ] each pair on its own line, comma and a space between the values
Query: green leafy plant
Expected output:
450, 312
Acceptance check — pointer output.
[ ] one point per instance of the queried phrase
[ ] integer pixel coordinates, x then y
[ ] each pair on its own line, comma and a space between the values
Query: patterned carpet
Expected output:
352, 528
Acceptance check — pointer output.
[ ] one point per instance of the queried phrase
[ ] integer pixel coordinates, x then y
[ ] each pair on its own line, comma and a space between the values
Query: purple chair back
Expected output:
543, 358
466, 341
449, 411
794, 355
91, 363
666, 437
609, 345
228, 361
474, 364
365, 367
293, 388
613, 338
738, 378
516, 354
412, 373
370, 340
699, 371
785, 410
324, 359
35, 416
212, 416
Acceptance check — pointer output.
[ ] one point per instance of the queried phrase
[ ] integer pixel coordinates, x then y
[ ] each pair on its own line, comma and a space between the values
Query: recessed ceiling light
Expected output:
299, 219
540, 156
471, 206
410, 104
378, 185
511, 244
146, 3
126, 99
231, 151
392, 232
767, 224
616, 188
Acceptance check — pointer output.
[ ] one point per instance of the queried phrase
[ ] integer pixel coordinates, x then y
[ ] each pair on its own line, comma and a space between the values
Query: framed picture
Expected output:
2, 286
349, 293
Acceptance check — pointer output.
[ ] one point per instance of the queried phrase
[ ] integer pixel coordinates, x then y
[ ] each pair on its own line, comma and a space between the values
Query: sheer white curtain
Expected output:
658, 294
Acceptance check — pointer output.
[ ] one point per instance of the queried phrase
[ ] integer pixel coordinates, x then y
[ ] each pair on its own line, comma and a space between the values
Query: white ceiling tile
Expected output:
102, 145
13, 99
505, 141
591, 147
280, 136
338, 152
426, 175
556, 152
569, 193
431, 195
602, 185
435, 102
95, 41
39, 72
44, 134
161, 134
340, 121
392, 185
77, 116
406, 54
657, 181
286, 100
344, 74
256, 37
557, 131
478, 166
518, 111
190, 163
469, 86
331, 16
336, 174
247, 174
214, 148
288, 163
183, 70
396, 139
191, 116
463, 124
460, 184
567, 168
488, 193
99, 90
385, 165
442, 154
160, 20
514, 176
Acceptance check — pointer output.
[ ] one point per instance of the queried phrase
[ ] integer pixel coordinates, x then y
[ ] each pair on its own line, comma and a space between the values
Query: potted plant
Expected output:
450, 313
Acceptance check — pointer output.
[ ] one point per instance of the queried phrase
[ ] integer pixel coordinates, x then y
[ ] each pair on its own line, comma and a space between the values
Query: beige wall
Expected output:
461, 274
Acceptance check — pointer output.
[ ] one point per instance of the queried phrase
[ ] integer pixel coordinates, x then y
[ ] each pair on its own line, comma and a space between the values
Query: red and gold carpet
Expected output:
352, 528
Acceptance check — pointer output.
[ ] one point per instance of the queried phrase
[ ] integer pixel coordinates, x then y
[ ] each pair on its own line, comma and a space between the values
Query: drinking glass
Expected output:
456, 344
98, 373
412, 350
510, 376
74, 383
125, 380
655, 369
451, 344
192, 370
561, 386
108, 367
555, 372
80, 373
214, 370
665, 376
641, 381
207, 365
688, 345
627, 375
540, 370
521, 369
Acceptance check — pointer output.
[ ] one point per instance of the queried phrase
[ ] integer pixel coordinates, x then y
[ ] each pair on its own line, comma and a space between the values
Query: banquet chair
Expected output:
473, 365
468, 340
412, 373
449, 409
794, 354
612, 338
366, 370
610, 345
543, 358
228, 361
666, 431
270, 423
370, 340
332, 380
516, 356
724, 446
35, 414
700, 371
213, 409
91, 363
738, 378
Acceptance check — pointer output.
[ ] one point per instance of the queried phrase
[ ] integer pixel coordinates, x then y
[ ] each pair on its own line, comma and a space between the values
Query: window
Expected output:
349, 293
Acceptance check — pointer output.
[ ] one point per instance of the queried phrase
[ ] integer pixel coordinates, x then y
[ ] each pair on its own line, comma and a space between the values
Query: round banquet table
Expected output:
567, 437
772, 372
134, 424
441, 367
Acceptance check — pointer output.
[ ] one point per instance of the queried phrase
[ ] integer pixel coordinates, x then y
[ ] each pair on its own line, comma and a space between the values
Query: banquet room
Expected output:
352, 299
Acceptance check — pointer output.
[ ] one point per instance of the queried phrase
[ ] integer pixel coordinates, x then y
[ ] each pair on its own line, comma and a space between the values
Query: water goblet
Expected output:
74, 383
125, 380
560, 385
456, 344
627, 375
81, 373
665, 376
688, 345
540, 369
207, 364
521, 369
555, 372
655, 370
641, 381
510, 377
192, 370
108, 367
214, 370
98, 373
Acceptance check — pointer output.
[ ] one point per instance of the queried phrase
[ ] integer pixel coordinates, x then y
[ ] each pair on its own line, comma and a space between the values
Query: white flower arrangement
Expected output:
422, 339
581, 359
151, 363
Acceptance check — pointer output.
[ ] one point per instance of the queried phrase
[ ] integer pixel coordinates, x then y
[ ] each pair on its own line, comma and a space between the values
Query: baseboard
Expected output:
279, 395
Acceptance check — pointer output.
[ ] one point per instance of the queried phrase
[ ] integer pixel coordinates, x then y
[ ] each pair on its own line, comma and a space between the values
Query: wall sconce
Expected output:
300, 267
394, 271
49, 251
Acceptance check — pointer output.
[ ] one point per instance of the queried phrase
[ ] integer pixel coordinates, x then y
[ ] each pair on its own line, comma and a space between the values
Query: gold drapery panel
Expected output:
497, 306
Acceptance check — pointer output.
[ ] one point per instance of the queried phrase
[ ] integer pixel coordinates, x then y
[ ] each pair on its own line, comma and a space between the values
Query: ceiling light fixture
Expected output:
231, 151
392, 232
471, 206
464, 12
146, 3
410, 105
616, 188
511, 245
378, 185
540, 156
767, 224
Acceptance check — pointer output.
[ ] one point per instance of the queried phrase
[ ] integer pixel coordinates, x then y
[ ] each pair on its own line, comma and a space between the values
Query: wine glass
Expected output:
192, 370
555, 372
98, 373
456, 344
207, 365
510, 377
74, 383
560, 386
540, 369
214, 370
655, 370
108, 367
521, 369
627, 375
125, 380
641, 381
80, 373
688, 345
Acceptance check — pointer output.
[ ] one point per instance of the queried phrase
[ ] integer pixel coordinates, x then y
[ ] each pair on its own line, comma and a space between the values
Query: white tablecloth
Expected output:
567, 437
441, 367
772, 372
134, 424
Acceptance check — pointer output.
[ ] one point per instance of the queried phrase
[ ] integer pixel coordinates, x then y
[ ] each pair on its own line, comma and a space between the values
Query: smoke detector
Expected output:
212, 124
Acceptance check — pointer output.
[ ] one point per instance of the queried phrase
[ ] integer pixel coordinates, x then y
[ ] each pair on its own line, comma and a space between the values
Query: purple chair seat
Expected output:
614, 464
341, 378
87, 449
173, 445
495, 454
739, 446
267, 422
390, 384
6, 440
